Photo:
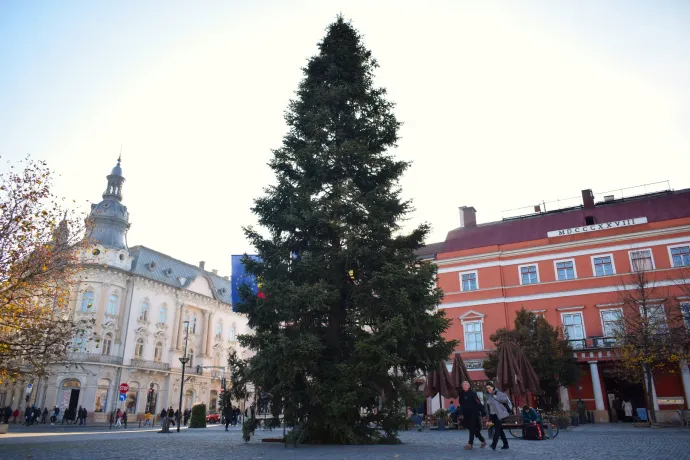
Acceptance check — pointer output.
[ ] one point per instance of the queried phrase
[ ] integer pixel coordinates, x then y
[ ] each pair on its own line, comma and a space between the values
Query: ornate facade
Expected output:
139, 299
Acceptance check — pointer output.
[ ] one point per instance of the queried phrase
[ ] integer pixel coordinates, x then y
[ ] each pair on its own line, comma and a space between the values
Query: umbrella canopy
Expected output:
515, 373
459, 372
529, 375
439, 381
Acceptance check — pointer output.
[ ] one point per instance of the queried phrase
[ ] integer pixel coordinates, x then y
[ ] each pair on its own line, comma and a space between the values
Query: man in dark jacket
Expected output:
471, 411
227, 413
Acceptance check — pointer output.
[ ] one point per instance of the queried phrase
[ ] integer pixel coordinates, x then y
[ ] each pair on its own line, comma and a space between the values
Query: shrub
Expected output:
198, 416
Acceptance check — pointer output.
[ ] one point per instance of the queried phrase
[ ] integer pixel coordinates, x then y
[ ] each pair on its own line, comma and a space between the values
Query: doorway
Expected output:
622, 390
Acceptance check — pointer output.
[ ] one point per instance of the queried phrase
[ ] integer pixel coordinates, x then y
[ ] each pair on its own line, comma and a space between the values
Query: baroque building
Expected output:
133, 302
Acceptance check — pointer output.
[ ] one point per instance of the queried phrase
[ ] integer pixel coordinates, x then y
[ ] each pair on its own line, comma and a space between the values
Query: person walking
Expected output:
118, 418
496, 403
147, 418
164, 415
471, 408
124, 418
227, 414
44, 417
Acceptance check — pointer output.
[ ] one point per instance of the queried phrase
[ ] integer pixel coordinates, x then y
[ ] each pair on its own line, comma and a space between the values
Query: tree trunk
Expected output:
650, 393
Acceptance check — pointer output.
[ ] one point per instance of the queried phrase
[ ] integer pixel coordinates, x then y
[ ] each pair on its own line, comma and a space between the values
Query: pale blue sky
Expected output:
505, 104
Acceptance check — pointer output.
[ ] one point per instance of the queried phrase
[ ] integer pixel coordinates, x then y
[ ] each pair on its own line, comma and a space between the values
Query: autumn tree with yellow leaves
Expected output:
39, 242
651, 331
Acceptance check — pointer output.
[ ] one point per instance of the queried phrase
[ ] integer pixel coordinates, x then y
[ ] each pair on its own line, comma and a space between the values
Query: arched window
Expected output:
113, 305
191, 358
144, 314
87, 301
158, 352
186, 316
107, 344
233, 332
163, 314
192, 325
219, 330
139, 348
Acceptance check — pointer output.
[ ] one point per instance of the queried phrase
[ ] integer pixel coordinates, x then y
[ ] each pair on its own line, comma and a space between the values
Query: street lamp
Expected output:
183, 360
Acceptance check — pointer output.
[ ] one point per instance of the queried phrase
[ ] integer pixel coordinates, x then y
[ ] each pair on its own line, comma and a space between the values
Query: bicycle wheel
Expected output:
554, 430
515, 432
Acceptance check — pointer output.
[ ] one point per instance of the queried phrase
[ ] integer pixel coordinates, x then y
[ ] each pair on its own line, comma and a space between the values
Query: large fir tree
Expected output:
346, 314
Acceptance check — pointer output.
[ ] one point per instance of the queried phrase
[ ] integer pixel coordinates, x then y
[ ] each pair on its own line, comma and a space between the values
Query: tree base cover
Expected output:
198, 416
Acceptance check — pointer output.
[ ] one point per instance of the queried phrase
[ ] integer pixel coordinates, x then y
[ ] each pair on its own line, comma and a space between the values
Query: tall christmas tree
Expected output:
346, 314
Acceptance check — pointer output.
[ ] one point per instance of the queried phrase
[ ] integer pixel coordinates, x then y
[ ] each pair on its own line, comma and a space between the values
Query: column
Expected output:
204, 337
100, 307
685, 374
124, 313
209, 337
176, 326
178, 334
565, 398
596, 384
656, 401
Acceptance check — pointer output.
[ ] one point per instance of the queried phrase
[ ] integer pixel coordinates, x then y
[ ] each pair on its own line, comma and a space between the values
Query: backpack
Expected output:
534, 432
508, 406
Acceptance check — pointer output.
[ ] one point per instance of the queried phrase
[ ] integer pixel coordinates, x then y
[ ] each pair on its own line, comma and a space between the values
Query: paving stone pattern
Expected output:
610, 442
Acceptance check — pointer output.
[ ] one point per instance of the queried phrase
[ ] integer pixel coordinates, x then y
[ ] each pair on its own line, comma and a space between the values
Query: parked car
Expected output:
213, 417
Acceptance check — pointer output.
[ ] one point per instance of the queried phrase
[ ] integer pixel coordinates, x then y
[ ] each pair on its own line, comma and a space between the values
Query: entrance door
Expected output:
74, 400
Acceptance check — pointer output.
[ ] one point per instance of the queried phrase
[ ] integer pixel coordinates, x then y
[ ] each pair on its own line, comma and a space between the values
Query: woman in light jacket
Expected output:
497, 412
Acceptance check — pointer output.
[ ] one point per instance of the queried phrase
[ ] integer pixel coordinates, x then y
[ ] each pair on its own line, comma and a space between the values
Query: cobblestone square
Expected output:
608, 442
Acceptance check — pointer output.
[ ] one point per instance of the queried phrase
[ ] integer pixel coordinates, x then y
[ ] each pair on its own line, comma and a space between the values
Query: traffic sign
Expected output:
123, 397
124, 388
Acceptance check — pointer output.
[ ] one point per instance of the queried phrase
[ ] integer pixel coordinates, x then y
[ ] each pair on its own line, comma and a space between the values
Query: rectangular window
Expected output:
685, 310
469, 281
611, 322
656, 318
473, 336
529, 274
565, 270
680, 256
641, 261
573, 329
603, 265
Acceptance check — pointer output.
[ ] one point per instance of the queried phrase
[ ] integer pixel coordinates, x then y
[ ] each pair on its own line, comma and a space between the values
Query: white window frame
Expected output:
555, 269
651, 256
476, 278
663, 309
594, 269
472, 317
582, 322
670, 257
520, 267
601, 318
686, 319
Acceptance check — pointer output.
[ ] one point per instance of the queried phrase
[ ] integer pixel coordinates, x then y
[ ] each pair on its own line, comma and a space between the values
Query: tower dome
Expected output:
109, 219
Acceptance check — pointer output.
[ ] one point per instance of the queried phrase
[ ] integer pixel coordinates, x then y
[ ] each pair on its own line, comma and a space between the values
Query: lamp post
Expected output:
183, 360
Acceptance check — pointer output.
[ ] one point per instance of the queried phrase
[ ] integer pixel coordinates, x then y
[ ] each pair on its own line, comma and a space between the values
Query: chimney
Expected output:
214, 271
202, 264
468, 216
588, 199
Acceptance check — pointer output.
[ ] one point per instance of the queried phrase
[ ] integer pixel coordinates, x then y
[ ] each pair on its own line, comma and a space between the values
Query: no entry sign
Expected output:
124, 388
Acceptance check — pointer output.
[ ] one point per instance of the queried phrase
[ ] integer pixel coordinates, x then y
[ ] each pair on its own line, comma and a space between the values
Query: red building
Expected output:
567, 265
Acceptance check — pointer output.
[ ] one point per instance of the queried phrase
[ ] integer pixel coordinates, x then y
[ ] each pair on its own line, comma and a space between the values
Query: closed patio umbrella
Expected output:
459, 372
439, 381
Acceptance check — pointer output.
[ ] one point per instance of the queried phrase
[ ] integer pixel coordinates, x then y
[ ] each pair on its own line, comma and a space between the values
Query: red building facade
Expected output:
568, 265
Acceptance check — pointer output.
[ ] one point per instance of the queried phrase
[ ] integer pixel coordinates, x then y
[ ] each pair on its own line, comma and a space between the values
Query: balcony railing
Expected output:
94, 358
146, 364
592, 343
